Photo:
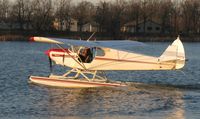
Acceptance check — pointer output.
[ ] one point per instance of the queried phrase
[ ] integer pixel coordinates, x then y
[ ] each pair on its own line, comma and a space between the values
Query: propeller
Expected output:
50, 65
63, 58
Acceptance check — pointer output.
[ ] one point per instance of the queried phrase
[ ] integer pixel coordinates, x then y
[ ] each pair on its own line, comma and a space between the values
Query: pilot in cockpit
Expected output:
86, 55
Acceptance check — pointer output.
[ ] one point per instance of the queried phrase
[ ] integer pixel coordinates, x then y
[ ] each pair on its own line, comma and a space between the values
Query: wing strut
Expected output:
83, 73
50, 65
91, 36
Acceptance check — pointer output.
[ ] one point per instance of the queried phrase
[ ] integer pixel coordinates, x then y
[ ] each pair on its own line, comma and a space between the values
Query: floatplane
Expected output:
88, 60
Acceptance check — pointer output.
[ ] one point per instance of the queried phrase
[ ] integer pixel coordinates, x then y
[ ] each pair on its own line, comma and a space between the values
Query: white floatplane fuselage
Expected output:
103, 58
112, 59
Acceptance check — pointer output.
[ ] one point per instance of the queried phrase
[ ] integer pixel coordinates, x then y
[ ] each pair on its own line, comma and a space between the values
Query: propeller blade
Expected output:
50, 64
63, 59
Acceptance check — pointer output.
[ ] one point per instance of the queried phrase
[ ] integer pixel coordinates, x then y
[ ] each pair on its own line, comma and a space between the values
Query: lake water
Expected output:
151, 94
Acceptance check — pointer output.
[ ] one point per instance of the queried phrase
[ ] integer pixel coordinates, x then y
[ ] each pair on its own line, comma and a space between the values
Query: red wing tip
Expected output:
31, 39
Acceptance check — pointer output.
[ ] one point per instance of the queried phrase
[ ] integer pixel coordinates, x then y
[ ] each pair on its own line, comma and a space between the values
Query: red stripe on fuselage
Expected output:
61, 55
57, 50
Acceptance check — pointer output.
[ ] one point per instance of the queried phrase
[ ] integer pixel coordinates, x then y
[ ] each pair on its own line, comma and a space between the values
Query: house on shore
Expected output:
149, 27
90, 27
64, 25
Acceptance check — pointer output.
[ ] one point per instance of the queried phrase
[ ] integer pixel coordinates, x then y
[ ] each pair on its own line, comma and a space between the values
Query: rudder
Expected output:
175, 52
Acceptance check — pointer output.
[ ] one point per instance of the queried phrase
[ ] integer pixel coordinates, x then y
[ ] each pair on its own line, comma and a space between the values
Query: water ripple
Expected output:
150, 94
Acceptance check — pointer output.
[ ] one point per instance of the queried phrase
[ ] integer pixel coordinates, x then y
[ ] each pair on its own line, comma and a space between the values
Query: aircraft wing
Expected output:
115, 44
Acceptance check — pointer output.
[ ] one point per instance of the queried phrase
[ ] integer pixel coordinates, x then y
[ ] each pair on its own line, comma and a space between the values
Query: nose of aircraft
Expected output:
47, 52
31, 39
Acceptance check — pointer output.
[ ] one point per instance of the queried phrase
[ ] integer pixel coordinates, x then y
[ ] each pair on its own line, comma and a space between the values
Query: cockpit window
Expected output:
100, 52
86, 55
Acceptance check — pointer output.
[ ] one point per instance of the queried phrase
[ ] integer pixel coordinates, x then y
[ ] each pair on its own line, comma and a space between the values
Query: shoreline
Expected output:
18, 37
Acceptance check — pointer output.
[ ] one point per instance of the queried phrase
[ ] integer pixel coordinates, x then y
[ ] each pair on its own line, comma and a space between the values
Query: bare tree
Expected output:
173, 15
175, 18
144, 13
148, 11
116, 17
18, 12
164, 12
133, 12
4, 9
63, 13
102, 16
41, 15
191, 15
84, 13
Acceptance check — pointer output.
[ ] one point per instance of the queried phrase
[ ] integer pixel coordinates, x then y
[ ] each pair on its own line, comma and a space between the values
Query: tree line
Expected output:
175, 15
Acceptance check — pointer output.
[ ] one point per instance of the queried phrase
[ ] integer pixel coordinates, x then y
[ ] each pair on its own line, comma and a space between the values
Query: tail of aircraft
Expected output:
174, 53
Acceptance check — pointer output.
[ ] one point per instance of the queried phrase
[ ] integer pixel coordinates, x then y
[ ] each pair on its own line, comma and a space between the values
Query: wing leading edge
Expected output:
107, 44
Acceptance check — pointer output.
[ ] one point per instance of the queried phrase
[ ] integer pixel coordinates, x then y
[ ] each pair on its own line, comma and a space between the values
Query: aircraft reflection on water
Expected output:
134, 101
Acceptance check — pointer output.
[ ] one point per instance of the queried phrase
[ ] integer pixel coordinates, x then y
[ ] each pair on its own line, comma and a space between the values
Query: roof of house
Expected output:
91, 23
57, 19
133, 23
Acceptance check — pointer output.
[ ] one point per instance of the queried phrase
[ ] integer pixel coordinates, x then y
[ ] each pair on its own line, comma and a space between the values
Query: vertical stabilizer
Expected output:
174, 53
